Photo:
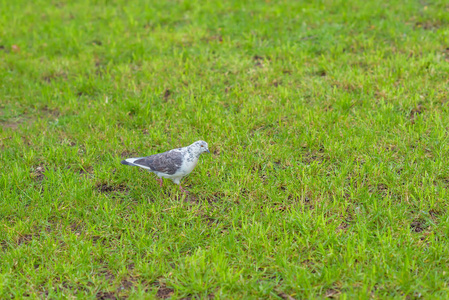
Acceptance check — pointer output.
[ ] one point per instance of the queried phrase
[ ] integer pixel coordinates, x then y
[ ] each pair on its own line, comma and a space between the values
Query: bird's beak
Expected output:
207, 150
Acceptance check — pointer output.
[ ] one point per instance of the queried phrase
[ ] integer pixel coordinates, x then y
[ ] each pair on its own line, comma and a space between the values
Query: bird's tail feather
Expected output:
126, 162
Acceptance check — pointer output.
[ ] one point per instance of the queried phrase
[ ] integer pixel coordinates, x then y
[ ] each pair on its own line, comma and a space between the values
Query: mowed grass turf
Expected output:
327, 123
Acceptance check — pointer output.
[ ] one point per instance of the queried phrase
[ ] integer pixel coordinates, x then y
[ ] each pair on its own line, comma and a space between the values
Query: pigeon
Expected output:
174, 164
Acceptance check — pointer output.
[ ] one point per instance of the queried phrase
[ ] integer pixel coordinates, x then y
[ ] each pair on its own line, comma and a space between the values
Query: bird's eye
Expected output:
202, 146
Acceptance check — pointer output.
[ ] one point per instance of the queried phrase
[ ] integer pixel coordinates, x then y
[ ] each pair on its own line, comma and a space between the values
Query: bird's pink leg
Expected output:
160, 181
182, 189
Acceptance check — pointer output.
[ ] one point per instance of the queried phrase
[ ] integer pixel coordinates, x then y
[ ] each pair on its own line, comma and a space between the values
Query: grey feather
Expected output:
168, 162
124, 162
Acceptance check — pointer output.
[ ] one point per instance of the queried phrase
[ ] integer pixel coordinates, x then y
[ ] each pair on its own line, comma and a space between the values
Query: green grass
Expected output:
328, 127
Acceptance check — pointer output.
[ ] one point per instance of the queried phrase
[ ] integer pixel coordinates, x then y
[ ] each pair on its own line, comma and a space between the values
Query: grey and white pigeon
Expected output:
174, 164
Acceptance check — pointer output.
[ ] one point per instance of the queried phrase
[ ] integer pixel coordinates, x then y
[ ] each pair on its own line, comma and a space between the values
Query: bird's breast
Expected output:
189, 165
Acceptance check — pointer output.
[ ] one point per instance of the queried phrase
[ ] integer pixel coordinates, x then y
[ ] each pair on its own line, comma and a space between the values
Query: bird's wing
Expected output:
168, 162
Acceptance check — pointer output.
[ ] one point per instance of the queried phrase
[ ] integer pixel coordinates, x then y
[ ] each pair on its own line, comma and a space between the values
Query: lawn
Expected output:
327, 123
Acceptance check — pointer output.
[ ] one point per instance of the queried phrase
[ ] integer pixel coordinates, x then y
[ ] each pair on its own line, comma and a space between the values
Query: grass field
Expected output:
327, 123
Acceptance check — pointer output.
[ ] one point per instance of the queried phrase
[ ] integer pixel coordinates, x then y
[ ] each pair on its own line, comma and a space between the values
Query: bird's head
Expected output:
200, 147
